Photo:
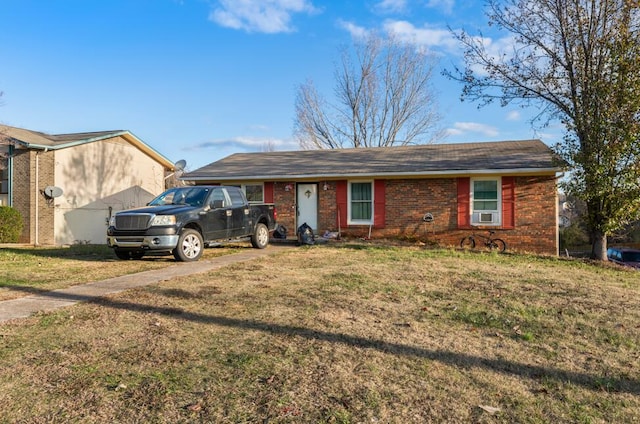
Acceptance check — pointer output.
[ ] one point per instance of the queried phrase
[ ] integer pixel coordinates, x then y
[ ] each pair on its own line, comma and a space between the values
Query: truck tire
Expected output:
126, 254
260, 237
189, 246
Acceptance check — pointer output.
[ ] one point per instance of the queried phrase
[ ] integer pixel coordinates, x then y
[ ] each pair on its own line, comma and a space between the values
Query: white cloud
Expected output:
246, 144
425, 36
513, 115
267, 16
461, 128
500, 49
444, 5
391, 5
353, 29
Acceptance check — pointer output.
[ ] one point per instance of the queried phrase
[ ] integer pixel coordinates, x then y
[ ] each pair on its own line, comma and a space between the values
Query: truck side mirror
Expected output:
217, 204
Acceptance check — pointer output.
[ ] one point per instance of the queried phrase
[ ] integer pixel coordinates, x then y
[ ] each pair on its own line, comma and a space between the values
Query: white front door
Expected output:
308, 205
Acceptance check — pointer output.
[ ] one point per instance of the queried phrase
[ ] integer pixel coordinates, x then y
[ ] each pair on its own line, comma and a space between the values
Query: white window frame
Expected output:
495, 214
360, 221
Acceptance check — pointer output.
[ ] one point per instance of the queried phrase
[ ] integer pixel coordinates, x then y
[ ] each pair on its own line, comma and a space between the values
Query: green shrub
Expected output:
573, 236
10, 224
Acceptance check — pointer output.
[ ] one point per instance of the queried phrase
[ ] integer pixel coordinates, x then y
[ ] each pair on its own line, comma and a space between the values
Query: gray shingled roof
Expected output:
531, 156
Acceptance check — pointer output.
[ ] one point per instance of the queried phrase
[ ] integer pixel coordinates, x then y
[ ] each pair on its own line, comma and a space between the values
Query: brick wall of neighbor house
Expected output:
46, 177
408, 200
24, 194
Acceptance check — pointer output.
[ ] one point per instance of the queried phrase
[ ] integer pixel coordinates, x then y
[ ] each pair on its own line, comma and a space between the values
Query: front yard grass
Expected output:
29, 270
340, 334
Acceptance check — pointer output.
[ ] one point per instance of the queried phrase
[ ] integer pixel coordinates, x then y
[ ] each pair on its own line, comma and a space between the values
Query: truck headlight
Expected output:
112, 221
163, 220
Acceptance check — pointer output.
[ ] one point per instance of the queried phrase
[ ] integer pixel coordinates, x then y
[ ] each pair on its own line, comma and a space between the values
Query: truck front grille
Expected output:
138, 240
133, 222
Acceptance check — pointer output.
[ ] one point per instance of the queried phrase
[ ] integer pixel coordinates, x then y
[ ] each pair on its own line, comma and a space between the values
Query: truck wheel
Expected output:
122, 254
260, 237
126, 254
189, 246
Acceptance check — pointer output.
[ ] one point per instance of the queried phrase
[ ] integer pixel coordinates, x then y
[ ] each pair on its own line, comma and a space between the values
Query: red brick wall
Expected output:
24, 195
408, 200
284, 198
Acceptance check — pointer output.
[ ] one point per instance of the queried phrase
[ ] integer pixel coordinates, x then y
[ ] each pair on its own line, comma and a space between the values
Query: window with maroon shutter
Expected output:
486, 201
361, 203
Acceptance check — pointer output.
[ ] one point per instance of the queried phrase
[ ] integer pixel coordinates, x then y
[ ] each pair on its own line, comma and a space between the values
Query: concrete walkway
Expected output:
49, 301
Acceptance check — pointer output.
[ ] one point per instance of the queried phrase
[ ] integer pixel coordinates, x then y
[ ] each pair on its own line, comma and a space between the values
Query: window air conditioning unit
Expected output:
486, 218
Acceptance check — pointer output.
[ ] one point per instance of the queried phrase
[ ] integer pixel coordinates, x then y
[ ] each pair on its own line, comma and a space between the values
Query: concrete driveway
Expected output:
49, 301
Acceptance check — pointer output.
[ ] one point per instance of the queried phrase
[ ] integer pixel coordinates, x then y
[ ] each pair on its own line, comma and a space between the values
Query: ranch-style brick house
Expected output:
66, 186
437, 193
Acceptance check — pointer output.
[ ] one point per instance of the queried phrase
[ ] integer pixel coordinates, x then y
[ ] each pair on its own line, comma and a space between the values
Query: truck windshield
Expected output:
192, 196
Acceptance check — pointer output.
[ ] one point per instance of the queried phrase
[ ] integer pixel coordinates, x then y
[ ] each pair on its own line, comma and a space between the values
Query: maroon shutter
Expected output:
379, 203
341, 203
268, 192
464, 205
508, 202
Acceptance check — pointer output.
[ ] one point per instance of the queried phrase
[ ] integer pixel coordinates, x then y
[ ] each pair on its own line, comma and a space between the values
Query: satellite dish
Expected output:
180, 165
52, 191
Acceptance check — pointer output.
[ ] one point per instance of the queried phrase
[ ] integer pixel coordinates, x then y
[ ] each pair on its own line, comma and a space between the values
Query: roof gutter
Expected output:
453, 172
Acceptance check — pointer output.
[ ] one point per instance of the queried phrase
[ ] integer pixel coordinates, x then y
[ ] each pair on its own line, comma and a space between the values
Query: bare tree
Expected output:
579, 62
383, 97
268, 146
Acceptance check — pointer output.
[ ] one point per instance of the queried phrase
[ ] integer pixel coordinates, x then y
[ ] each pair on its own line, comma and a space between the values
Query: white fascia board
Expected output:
518, 171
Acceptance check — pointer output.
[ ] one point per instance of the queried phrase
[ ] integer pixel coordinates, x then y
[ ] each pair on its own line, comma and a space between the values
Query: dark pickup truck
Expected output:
185, 220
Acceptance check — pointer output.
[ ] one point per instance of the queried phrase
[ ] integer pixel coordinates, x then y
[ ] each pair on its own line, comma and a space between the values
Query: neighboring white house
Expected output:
66, 186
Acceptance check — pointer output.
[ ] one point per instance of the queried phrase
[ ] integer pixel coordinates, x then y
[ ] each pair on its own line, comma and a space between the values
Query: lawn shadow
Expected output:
101, 253
517, 369
513, 368
83, 252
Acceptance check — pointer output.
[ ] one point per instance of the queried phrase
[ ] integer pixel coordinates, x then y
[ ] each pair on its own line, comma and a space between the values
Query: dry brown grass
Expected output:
351, 333
28, 270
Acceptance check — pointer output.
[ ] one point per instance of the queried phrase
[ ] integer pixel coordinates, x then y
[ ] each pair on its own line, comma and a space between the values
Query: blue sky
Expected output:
201, 79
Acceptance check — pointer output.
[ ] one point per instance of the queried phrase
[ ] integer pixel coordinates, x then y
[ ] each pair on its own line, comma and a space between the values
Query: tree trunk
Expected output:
599, 247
